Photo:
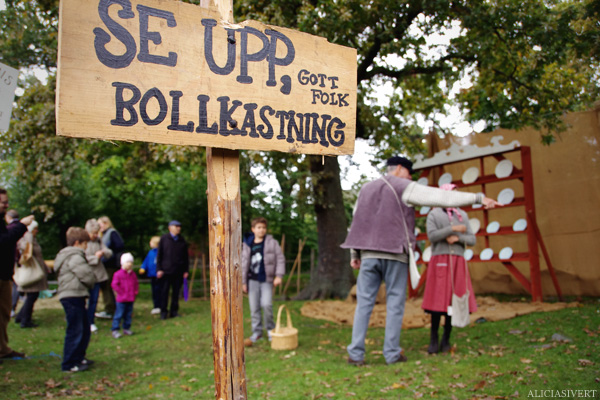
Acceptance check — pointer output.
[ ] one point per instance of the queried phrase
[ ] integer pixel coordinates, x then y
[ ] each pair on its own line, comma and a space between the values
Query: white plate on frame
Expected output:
468, 254
475, 225
504, 169
424, 210
486, 254
470, 175
505, 253
427, 254
445, 178
423, 181
520, 225
493, 227
506, 196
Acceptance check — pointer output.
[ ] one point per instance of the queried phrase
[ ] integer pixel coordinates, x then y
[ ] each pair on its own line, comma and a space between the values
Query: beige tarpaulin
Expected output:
414, 317
566, 179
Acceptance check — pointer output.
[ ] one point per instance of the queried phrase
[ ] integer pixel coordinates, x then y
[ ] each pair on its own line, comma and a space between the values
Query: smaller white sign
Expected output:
8, 85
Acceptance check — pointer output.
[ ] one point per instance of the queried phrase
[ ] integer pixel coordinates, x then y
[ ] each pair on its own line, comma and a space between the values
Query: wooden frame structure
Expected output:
534, 238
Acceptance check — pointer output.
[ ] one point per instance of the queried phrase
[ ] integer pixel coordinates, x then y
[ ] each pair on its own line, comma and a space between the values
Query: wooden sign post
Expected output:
169, 72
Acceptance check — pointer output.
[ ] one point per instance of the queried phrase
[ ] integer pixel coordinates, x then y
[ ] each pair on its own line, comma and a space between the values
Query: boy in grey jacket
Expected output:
75, 279
263, 267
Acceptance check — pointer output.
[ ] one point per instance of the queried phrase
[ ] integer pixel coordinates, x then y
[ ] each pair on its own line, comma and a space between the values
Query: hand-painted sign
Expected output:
8, 84
170, 72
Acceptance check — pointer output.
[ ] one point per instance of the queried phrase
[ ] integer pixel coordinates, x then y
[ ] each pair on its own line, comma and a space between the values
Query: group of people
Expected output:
86, 266
93, 262
380, 236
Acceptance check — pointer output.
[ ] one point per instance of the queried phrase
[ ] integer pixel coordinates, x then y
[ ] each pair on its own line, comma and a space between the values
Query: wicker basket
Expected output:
284, 338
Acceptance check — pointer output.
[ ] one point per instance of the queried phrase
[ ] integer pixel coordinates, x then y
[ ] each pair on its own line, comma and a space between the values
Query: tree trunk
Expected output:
333, 276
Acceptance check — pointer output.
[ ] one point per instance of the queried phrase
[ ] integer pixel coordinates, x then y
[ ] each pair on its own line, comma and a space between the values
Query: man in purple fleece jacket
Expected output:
379, 242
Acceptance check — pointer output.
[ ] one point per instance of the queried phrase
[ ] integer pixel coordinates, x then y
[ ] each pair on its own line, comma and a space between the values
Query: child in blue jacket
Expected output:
149, 267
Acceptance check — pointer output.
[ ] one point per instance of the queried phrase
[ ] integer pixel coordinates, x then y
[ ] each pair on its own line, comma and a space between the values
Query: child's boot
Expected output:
433, 343
434, 340
445, 344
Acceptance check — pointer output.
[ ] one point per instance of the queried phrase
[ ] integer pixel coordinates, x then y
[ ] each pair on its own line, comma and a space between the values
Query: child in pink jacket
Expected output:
126, 288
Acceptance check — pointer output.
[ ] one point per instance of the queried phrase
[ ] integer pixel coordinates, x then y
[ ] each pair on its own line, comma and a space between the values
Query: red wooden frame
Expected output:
532, 285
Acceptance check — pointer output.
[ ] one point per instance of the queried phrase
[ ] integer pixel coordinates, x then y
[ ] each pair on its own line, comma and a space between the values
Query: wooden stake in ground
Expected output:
193, 276
225, 241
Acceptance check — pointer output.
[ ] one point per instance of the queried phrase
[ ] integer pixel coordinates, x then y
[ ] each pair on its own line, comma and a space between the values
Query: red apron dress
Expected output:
438, 287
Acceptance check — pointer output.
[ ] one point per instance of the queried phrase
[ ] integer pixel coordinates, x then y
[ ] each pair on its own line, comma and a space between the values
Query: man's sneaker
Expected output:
116, 334
358, 363
127, 332
77, 368
93, 328
103, 315
270, 336
87, 362
402, 358
155, 311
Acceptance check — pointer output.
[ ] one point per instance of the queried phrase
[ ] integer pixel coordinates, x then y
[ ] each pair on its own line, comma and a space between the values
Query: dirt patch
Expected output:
414, 317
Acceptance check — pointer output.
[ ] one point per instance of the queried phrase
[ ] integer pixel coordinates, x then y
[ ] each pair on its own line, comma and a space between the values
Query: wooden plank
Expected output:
225, 241
164, 71
534, 260
518, 276
538, 234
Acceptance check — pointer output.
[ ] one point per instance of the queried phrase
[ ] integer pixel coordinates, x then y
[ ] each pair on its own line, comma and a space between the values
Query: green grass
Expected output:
173, 359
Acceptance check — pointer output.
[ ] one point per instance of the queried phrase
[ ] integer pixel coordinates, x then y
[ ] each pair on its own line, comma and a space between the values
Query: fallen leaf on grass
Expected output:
51, 384
350, 394
589, 332
164, 378
526, 361
585, 363
399, 386
325, 342
185, 388
479, 385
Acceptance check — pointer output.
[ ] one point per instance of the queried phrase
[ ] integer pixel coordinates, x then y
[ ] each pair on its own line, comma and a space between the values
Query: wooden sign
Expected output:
8, 84
169, 72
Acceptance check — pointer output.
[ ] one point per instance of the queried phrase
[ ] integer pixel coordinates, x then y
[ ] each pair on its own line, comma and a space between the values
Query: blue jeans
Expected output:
155, 283
372, 272
77, 337
260, 297
124, 311
93, 303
